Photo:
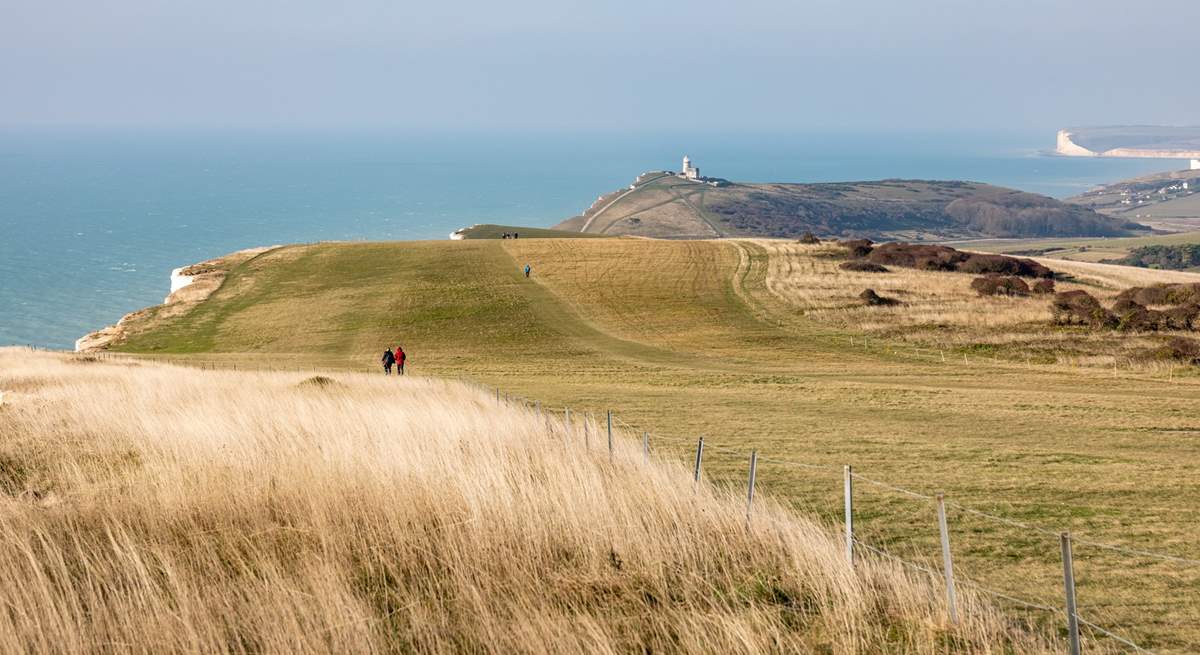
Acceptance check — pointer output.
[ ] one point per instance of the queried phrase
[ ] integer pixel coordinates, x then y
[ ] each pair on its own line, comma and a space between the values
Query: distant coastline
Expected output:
1131, 143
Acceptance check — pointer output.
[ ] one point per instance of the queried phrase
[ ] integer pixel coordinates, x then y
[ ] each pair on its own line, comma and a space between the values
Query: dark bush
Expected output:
1132, 317
923, 257
809, 238
863, 266
1179, 349
871, 298
978, 263
857, 248
1182, 317
1164, 294
1081, 307
1000, 285
1043, 286
944, 258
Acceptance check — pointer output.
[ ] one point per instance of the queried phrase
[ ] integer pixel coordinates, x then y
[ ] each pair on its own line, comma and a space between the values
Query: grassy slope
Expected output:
681, 337
1084, 250
162, 509
669, 207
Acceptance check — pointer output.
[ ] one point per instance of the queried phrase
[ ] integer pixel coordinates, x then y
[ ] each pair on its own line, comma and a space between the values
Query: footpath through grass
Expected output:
682, 339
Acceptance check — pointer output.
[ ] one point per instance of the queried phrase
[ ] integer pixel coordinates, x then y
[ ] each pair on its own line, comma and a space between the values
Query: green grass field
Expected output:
686, 338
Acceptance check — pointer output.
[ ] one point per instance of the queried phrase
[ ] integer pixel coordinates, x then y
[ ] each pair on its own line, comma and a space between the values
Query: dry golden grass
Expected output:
940, 309
153, 508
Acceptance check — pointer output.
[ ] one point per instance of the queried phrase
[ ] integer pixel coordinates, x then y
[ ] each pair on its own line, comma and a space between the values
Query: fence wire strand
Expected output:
683, 441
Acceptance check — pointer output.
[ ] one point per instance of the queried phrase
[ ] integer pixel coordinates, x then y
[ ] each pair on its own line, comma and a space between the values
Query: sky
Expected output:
594, 66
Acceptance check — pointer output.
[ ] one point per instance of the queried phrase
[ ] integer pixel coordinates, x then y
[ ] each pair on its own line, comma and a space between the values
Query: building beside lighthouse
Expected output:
689, 172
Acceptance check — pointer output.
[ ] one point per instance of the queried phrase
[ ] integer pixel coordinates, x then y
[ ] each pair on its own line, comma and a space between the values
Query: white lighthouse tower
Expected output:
689, 172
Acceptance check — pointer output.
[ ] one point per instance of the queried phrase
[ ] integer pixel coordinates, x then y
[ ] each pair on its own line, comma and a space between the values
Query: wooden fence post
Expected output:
699, 460
947, 560
848, 492
610, 445
750, 491
1069, 588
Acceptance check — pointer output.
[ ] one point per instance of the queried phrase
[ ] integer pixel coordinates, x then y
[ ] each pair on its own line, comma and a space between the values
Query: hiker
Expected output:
516, 235
527, 270
400, 357
388, 359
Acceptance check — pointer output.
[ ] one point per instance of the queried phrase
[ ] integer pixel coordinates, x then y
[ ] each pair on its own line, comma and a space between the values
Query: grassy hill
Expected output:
1076, 249
763, 344
155, 508
1160, 200
662, 205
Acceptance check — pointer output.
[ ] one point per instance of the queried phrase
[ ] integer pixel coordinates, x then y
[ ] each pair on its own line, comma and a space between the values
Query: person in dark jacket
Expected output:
388, 359
401, 357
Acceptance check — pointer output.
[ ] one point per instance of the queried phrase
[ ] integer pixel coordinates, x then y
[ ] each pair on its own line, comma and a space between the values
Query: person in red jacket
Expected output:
400, 357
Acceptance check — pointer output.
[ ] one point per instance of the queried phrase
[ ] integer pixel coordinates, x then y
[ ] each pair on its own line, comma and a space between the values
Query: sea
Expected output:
93, 221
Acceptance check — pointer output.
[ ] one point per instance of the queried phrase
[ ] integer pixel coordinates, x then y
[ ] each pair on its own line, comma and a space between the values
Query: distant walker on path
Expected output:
527, 270
388, 359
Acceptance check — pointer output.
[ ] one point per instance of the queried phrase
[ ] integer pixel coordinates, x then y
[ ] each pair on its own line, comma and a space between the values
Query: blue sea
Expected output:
92, 222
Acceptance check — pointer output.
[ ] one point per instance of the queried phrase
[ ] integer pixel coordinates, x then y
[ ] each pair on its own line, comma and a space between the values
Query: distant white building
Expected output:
689, 172
1196, 164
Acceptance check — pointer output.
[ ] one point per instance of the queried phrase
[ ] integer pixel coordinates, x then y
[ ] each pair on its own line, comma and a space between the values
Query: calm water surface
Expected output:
91, 224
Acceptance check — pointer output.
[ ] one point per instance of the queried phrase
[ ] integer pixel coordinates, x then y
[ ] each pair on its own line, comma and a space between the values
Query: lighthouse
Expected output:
689, 172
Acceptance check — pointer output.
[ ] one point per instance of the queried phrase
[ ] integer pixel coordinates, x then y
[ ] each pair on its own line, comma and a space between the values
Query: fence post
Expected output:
848, 493
610, 447
645, 446
699, 459
947, 560
750, 492
1069, 588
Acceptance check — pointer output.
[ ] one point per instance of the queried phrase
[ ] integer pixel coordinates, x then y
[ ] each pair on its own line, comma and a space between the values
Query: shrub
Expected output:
923, 257
875, 300
857, 248
1132, 317
1000, 285
1163, 294
1081, 307
978, 263
1043, 286
862, 266
1182, 317
809, 238
1180, 349
944, 258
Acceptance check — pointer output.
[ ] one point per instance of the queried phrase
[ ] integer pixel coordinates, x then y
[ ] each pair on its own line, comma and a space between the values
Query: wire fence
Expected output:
601, 429
857, 545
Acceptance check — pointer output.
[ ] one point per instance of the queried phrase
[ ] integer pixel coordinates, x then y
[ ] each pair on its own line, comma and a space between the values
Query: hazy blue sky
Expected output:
616, 64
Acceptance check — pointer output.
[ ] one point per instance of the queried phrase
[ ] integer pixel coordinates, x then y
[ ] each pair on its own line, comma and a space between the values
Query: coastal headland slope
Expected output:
764, 344
664, 205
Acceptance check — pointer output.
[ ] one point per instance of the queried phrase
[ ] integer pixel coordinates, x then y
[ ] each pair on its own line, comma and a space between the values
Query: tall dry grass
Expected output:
153, 508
